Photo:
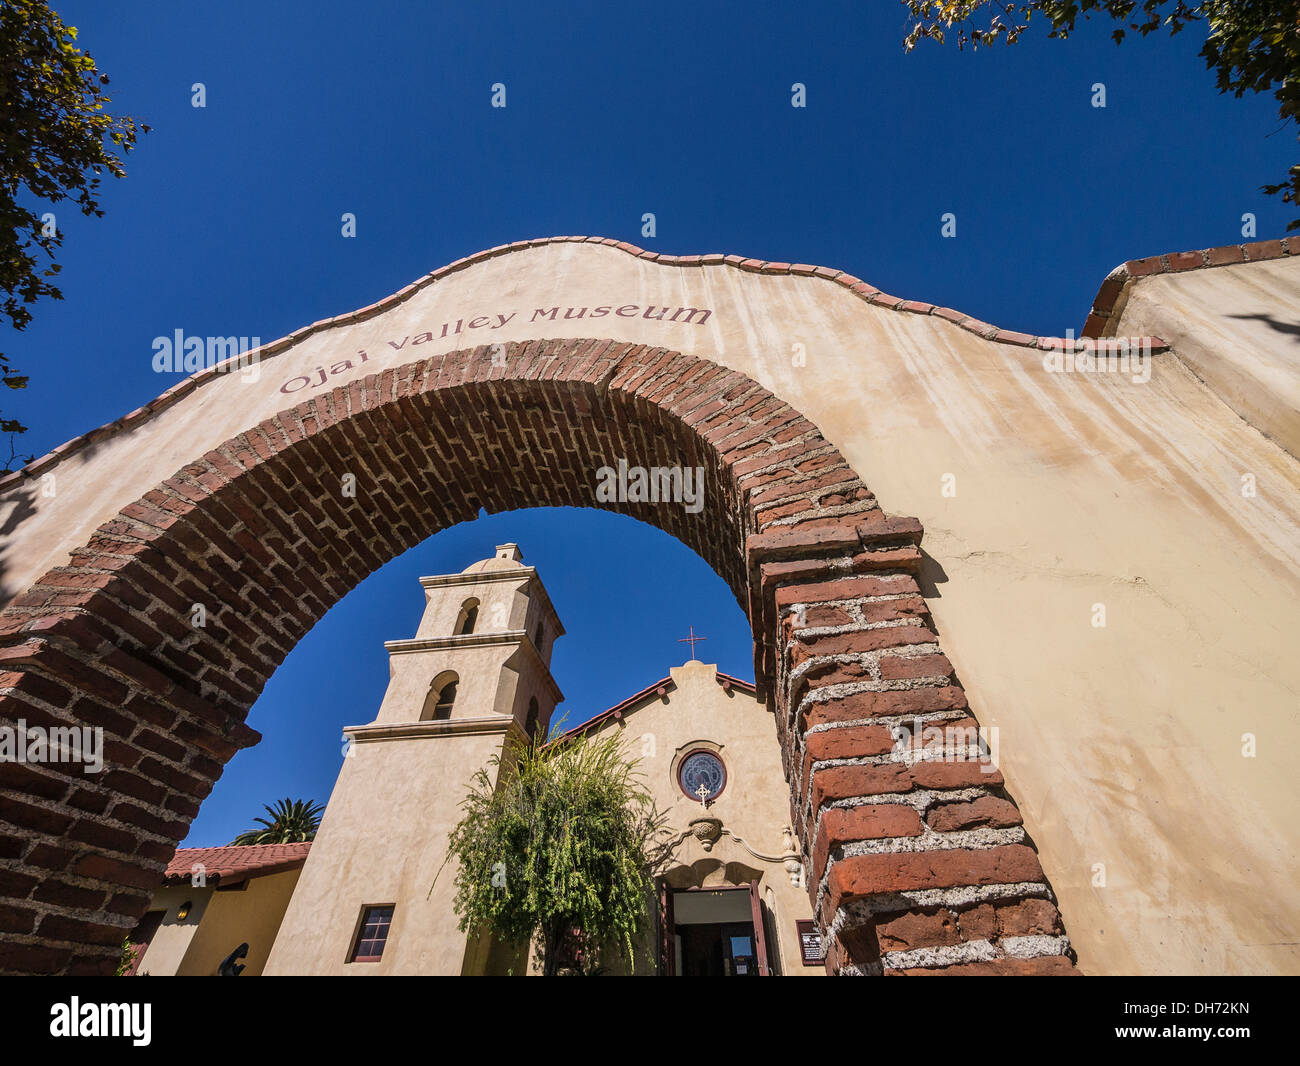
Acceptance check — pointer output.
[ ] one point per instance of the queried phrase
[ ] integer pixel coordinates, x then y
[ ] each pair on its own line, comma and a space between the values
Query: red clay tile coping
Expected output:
1102, 306
1108, 296
236, 862
661, 687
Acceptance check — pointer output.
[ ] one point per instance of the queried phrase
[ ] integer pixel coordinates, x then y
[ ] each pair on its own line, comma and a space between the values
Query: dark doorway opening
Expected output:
713, 932
719, 950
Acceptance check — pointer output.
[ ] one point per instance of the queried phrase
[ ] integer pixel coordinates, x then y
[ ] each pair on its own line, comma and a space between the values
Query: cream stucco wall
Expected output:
754, 806
498, 667
173, 937
383, 840
251, 916
1238, 330
1122, 744
218, 922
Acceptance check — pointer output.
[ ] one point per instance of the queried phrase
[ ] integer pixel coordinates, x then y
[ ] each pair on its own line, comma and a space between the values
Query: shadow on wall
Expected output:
1290, 328
24, 508
931, 576
25, 495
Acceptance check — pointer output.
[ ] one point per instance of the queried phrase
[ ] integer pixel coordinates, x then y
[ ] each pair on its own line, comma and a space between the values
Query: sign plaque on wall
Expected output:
810, 942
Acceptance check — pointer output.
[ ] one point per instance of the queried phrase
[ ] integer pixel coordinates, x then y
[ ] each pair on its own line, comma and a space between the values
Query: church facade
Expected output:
732, 899
375, 894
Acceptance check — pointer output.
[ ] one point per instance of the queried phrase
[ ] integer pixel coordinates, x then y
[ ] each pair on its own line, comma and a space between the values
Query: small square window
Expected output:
372, 934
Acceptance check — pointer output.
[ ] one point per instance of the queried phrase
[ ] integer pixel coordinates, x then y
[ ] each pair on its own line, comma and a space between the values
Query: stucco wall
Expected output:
754, 806
218, 922
173, 937
383, 840
498, 671
1238, 330
1123, 744
251, 916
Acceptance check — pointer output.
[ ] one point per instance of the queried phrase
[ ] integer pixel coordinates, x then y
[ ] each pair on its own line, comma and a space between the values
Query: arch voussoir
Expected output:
912, 863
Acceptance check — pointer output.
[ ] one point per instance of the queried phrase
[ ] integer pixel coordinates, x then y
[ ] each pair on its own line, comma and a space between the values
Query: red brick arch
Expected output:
911, 865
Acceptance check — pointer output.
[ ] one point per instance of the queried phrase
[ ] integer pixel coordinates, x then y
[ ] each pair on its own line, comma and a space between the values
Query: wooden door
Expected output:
667, 932
760, 930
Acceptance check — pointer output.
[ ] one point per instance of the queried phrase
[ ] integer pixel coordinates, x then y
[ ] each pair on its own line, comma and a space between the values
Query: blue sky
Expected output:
228, 223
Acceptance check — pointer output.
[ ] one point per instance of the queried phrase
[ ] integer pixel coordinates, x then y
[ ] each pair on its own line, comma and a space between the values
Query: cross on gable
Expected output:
691, 640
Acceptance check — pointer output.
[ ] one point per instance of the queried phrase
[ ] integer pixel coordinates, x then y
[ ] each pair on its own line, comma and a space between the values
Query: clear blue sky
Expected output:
228, 223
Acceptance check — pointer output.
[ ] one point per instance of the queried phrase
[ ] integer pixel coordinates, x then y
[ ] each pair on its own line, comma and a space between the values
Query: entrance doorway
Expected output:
714, 932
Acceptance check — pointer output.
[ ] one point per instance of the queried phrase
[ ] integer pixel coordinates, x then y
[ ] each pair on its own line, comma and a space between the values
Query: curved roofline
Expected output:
1102, 309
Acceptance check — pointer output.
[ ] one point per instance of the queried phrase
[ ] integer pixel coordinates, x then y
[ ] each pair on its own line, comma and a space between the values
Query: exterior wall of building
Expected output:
218, 923
488, 676
251, 916
172, 939
1235, 329
497, 671
1044, 496
383, 841
504, 601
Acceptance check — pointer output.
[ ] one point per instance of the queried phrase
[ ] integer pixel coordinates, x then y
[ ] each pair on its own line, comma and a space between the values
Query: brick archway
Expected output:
913, 864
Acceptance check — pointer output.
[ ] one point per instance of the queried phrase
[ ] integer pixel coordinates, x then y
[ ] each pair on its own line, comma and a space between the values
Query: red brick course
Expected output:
1097, 324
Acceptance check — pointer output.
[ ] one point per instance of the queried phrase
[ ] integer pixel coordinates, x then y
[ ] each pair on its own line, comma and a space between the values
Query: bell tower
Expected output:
375, 895
480, 658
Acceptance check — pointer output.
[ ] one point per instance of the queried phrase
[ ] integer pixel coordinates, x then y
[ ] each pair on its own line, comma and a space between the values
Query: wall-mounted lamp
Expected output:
183, 911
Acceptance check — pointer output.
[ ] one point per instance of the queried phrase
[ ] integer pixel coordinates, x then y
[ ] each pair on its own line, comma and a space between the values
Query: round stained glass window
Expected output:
702, 770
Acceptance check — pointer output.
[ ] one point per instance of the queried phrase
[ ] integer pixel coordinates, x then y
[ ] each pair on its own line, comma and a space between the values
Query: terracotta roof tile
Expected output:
233, 864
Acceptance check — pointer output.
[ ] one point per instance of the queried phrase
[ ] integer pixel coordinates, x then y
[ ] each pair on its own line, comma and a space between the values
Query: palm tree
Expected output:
291, 821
